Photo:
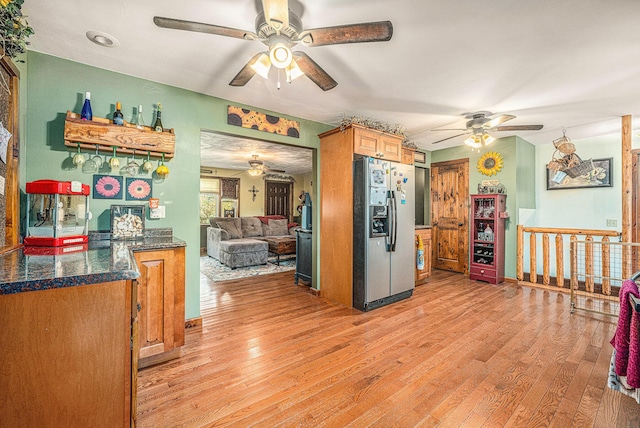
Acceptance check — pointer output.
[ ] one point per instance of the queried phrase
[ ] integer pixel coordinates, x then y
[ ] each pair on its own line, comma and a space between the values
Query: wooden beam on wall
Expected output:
627, 180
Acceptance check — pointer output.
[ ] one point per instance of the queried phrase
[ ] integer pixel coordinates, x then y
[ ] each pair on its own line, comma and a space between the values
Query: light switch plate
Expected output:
157, 212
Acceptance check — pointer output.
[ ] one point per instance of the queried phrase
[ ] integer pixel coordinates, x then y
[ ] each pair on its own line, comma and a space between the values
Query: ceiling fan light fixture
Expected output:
255, 172
479, 138
487, 139
473, 141
293, 71
280, 55
262, 66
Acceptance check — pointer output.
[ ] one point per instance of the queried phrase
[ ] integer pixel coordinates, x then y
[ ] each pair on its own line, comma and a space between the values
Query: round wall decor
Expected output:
490, 163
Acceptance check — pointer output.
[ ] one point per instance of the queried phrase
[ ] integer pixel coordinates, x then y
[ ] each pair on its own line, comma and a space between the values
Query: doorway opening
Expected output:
256, 178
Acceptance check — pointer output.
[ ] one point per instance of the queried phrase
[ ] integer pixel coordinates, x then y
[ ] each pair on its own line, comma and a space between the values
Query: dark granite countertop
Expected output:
102, 260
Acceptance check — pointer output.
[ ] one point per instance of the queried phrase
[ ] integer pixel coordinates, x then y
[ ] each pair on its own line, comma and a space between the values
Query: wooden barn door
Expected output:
279, 199
450, 215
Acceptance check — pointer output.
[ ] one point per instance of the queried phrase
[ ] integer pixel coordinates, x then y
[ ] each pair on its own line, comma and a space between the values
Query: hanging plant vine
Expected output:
14, 28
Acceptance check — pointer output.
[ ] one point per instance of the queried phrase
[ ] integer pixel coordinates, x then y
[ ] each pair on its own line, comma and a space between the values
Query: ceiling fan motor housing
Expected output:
265, 31
478, 121
255, 163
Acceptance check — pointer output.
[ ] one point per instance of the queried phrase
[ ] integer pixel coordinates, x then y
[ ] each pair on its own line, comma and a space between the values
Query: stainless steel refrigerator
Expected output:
383, 232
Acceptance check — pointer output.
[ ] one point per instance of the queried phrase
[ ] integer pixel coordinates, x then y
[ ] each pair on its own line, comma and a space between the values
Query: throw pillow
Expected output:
231, 229
278, 227
251, 226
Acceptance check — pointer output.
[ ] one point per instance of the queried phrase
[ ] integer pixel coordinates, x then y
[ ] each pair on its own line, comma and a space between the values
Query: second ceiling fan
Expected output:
258, 167
480, 123
280, 29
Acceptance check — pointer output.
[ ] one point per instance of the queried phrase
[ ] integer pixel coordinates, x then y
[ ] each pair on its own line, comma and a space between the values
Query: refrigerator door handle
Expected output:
387, 236
394, 221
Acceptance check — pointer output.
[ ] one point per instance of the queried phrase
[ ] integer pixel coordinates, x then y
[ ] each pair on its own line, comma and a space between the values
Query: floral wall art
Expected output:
138, 189
107, 187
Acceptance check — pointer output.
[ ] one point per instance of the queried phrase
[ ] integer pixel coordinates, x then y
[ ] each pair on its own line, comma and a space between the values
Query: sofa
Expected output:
242, 241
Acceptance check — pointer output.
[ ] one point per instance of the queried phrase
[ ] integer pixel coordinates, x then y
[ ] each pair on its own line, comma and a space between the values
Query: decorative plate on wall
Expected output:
490, 163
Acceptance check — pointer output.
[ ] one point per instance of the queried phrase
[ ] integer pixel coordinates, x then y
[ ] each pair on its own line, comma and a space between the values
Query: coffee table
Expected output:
281, 245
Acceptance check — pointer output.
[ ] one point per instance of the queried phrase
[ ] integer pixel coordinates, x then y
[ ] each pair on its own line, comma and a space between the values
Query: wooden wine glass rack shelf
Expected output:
102, 134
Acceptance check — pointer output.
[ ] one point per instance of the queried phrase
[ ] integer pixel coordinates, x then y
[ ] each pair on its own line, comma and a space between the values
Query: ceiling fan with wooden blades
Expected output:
480, 123
280, 29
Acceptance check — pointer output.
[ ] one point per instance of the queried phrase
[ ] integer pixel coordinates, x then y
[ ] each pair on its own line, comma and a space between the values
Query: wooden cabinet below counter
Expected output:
67, 356
422, 275
161, 304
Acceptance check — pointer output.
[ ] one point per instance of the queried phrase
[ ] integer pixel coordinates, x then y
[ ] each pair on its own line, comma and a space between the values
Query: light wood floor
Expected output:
459, 353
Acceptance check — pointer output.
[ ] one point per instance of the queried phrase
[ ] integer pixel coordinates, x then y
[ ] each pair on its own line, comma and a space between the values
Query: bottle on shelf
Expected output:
118, 117
139, 120
157, 126
86, 113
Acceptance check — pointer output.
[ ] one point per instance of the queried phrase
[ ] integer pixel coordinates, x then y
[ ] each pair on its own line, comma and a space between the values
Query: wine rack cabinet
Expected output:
488, 212
102, 134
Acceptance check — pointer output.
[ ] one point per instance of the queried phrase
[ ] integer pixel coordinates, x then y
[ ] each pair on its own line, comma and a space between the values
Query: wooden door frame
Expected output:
12, 189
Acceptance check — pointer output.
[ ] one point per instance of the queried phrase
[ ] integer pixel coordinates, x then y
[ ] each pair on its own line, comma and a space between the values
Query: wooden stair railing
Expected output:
589, 235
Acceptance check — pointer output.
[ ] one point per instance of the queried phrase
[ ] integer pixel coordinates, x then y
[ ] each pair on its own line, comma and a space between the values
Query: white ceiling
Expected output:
569, 63
232, 152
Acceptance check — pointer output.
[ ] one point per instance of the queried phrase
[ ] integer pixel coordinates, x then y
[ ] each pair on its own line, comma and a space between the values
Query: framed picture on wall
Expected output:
599, 176
419, 157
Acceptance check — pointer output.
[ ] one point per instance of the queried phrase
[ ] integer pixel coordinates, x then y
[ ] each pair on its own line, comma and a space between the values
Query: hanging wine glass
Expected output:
78, 158
97, 159
133, 167
89, 167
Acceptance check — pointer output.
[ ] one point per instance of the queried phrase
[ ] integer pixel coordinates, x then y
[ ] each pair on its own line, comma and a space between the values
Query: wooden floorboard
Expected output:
458, 353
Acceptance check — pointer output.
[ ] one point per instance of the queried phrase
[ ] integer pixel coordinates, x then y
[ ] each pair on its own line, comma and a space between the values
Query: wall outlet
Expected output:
612, 222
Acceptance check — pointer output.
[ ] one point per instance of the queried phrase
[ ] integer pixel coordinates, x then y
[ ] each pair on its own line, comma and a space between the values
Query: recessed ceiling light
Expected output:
103, 39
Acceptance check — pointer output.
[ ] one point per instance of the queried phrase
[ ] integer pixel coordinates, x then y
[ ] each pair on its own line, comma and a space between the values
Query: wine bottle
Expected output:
118, 117
157, 126
86, 113
139, 119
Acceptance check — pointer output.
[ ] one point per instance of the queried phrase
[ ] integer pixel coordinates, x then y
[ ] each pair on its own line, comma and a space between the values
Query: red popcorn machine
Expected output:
57, 213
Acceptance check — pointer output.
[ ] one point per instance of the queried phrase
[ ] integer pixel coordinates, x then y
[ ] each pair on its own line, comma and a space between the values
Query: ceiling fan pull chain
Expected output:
278, 79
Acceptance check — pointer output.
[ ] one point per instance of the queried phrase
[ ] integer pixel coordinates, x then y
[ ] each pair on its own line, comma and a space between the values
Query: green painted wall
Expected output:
55, 85
526, 174
519, 166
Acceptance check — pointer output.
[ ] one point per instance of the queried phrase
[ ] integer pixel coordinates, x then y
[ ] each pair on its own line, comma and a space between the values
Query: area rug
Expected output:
215, 271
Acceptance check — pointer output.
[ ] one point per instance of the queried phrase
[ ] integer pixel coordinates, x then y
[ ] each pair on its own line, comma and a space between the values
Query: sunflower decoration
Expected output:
490, 163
